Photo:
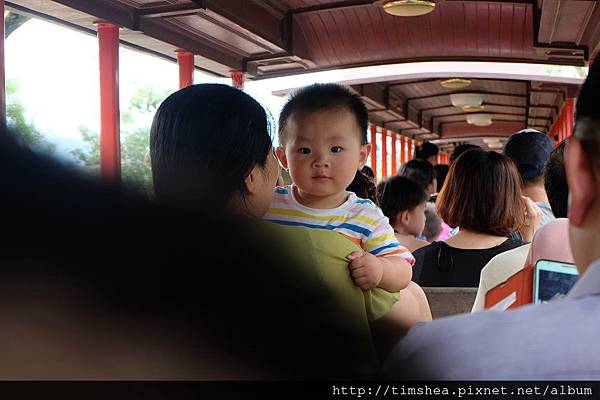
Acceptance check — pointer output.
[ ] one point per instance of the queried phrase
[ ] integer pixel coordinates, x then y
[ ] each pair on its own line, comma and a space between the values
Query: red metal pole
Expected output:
394, 154
374, 150
2, 71
570, 117
110, 154
185, 60
410, 149
237, 79
402, 150
383, 153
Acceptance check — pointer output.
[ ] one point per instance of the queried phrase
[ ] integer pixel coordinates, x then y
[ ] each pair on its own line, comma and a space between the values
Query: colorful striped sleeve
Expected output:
383, 242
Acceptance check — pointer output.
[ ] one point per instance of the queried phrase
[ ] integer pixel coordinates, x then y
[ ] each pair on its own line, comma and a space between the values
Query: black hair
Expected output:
363, 185
461, 148
441, 171
555, 182
419, 171
328, 96
398, 194
426, 150
204, 141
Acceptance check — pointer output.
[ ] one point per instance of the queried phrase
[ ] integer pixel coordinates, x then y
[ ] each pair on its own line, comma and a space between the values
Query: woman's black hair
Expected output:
330, 96
363, 185
204, 141
426, 150
398, 194
555, 182
461, 148
419, 171
441, 171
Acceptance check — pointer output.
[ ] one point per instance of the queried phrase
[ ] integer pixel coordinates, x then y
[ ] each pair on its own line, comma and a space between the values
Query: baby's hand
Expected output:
365, 268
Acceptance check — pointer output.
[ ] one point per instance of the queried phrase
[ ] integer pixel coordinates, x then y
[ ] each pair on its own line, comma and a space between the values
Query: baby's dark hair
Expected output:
398, 194
324, 96
329, 96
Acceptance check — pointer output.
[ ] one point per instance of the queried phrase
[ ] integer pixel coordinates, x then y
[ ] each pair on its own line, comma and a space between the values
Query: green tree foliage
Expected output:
135, 156
15, 115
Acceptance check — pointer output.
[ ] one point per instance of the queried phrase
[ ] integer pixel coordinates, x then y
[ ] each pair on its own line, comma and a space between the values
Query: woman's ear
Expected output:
280, 153
252, 181
364, 154
581, 179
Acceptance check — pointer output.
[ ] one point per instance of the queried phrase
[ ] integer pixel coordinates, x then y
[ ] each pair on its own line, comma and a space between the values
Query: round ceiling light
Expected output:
455, 83
479, 119
466, 99
408, 8
473, 107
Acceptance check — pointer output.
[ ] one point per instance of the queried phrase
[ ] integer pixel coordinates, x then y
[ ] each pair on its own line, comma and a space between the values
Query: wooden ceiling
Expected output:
422, 109
276, 37
268, 38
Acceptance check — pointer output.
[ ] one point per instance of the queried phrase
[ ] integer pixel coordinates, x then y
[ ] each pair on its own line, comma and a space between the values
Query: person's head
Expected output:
433, 224
529, 149
482, 194
211, 144
461, 148
555, 182
363, 185
582, 163
421, 172
441, 171
323, 138
403, 202
428, 152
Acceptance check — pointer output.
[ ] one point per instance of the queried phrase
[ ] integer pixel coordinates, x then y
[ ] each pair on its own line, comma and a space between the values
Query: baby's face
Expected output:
323, 151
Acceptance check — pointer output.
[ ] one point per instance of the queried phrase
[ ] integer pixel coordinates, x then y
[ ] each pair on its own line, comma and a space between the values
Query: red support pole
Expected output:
2, 70
394, 154
410, 149
110, 152
374, 150
185, 60
383, 153
402, 150
569, 117
237, 79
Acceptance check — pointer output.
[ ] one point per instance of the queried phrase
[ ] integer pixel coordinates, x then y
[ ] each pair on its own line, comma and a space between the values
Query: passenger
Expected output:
363, 185
421, 172
555, 182
433, 224
403, 202
97, 283
441, 171
323, 145
428, 152
530, 149
553, 341
461, 148
482, 197
208, 133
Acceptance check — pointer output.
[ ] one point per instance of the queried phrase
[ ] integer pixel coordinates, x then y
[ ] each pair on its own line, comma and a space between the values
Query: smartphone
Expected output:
552, 280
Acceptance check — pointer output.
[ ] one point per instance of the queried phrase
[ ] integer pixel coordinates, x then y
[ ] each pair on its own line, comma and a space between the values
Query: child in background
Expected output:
323, 144
434, 226
403, 202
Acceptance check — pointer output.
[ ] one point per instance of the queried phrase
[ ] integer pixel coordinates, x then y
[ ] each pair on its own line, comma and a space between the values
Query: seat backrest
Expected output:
446, 301
497, 271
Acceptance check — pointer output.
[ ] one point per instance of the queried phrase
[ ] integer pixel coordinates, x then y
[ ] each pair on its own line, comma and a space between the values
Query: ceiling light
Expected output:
466, 99
479, 119
408, 8
473, 107
455, 83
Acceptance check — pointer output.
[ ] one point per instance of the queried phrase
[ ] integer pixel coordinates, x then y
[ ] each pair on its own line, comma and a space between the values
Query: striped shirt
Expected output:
358, 219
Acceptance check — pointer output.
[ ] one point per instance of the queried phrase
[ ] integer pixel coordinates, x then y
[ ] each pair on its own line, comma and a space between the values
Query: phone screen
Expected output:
552, 280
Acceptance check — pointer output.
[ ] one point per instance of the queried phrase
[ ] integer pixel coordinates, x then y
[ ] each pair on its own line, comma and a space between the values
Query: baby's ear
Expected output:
280, 153
364, 154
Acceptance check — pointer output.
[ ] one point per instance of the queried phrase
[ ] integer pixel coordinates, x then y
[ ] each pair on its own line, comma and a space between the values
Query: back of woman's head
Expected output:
419, 171
204, 141
482, 193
